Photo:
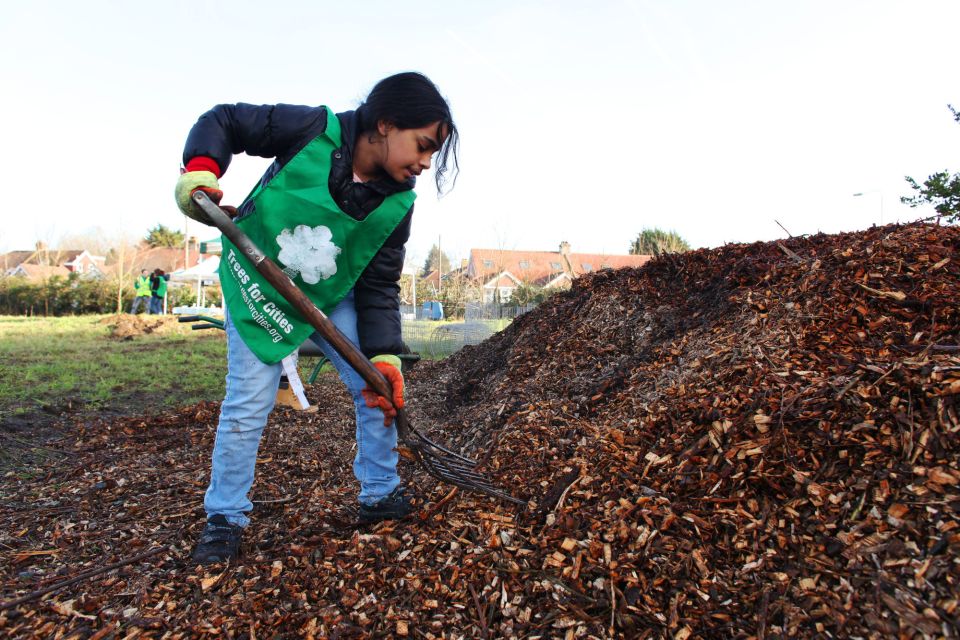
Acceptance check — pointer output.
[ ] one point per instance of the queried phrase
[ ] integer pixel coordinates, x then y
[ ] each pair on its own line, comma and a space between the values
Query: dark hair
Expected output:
409, 101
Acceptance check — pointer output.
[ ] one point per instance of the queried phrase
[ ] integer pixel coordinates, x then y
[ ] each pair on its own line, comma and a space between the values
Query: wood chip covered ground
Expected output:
755, 441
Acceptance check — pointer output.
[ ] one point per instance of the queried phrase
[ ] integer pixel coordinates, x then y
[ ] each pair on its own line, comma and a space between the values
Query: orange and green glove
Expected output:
201, 173
389, 366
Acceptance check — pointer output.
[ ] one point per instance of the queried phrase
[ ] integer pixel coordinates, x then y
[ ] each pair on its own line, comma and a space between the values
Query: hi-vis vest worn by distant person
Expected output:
142, 286
298, 225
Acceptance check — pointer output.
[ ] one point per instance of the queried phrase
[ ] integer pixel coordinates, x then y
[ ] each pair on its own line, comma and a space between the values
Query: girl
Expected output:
334, 211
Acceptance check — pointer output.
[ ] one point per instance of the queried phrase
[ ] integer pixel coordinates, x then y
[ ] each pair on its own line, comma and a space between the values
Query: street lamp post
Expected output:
880, 194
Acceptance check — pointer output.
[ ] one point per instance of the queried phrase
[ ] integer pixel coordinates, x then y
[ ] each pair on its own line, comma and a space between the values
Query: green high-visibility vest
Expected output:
142, 286
298, 225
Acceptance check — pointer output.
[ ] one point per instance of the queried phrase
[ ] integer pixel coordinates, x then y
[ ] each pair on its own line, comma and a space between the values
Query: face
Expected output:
407, 152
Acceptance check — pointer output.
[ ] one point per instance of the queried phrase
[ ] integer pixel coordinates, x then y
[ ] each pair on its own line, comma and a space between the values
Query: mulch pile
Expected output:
752, 441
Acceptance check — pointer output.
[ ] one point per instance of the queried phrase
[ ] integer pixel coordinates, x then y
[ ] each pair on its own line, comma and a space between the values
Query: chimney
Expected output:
565, 248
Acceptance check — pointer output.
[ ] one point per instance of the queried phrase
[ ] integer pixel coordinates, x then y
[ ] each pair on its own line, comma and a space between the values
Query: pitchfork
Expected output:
440, 462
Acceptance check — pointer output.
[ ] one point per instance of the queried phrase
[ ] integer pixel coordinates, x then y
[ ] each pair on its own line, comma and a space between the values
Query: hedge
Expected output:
76, 295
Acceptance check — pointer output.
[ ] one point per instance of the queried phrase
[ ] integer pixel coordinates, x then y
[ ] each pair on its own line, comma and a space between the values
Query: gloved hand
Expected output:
389, 366
189, 182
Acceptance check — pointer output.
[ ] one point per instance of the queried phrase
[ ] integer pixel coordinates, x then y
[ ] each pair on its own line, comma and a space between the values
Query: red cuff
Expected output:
203, 163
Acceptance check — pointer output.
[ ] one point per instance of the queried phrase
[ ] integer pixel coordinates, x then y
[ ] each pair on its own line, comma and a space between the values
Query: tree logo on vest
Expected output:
308, 251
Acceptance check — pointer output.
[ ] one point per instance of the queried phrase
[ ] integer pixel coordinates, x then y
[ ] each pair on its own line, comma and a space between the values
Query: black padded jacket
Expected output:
280, 132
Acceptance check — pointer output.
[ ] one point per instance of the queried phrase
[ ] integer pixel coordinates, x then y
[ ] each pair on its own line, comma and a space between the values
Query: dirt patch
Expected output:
48, 417
28, 441
26, 434
127, 327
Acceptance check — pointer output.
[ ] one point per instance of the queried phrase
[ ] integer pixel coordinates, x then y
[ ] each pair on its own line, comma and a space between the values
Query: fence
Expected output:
433, 339
494, 311
472, 311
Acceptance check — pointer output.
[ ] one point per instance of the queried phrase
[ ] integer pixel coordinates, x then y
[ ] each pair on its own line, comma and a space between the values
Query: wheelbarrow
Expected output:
202, 322
440, 462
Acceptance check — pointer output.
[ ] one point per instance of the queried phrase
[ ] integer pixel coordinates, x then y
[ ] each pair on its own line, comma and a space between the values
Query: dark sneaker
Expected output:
393, 507
219, 542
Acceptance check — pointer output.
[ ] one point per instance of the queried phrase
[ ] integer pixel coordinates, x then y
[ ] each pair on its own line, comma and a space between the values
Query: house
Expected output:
38, 271
84, 262
437, 282
501, 271
43, 262
167, 259
12, 260
170, 259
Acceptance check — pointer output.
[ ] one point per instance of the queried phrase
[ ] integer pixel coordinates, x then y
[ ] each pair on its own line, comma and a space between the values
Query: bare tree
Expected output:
458, 290
128, 253
406, 288
95, 240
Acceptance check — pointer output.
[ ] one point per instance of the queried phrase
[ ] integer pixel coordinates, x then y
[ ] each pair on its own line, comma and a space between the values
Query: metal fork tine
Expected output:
466, 475
455, 473
455, 465
449, 466
480, 488
444, 464
433, 444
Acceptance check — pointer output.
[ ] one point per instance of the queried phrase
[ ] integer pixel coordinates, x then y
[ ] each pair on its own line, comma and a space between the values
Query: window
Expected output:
556, 266
524, 264
488, 264
587, 266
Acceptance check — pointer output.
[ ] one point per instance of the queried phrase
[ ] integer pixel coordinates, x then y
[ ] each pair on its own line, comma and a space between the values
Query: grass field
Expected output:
55, 367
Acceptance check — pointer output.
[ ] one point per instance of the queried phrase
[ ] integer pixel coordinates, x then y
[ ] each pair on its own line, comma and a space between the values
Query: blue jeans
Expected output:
140, 300
251, 392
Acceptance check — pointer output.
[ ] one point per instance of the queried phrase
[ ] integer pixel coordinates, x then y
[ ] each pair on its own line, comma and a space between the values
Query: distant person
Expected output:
158, 291
334, 211
141, 292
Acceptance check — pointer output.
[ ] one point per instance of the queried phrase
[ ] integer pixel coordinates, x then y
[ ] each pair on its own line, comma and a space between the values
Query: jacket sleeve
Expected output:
377, 295
268, 131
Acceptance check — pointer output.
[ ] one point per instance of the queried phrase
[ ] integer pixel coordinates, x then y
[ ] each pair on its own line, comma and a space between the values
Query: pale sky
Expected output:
580, 121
